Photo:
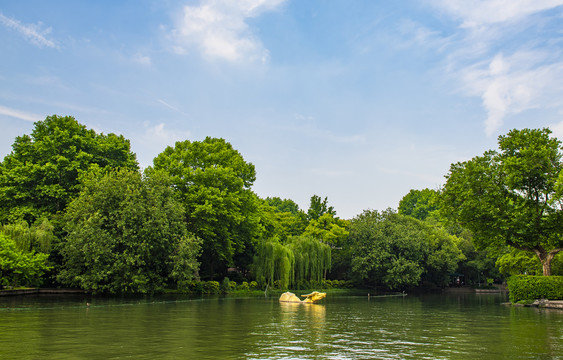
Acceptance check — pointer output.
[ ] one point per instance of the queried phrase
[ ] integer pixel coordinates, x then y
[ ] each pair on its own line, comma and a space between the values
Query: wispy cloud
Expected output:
153, 140
306, 125
510, 76
478, 13
34, 33
18, 114
218, 29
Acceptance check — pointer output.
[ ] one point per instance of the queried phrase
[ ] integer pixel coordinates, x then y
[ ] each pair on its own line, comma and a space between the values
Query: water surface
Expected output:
460, 326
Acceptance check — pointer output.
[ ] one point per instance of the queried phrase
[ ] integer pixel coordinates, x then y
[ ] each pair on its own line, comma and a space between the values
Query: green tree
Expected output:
40, 176
419, 203
511, 197
319, 207
19, 267
284, 205
214, 182
126, 234
327, 228
396, 250
302, 259
37, 237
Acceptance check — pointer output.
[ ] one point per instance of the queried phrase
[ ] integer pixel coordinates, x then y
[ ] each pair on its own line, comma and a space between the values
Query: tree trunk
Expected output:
545, 259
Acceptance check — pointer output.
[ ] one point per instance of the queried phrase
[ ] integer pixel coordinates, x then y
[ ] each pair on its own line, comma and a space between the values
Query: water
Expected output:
465, 326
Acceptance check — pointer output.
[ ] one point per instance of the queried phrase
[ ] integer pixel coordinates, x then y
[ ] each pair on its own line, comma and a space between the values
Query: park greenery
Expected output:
77, 211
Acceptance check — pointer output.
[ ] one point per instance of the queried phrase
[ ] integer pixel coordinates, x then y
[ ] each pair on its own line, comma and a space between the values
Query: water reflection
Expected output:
433, 327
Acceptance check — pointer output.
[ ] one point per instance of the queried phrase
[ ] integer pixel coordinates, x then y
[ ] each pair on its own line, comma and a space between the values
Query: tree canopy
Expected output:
396, 251
419, 203
214, 181
40, 176
511, 196
126, 233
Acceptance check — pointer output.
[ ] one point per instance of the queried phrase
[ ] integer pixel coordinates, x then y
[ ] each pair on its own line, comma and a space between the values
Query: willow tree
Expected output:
274, 261
312, 258
302, 259
37, 237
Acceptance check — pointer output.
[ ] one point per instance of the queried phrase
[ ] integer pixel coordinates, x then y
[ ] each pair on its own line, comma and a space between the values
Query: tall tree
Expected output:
40, 176
319, 207
511, 196
126, 234
214, 181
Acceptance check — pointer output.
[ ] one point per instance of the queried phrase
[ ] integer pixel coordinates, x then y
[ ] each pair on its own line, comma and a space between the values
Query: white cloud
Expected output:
18, 114
510, 85
218, 29
33, 32
488, 57
142, 59
477, 13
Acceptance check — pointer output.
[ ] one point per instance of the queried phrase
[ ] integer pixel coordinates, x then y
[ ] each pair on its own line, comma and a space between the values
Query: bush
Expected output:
527, 287
212, 287
244, 286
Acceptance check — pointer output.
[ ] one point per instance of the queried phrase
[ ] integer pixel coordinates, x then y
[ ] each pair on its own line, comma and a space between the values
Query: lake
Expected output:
449, 326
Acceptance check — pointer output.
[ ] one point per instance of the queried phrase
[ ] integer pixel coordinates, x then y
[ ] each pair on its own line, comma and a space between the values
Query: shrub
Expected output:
244, 286
212, 287
253, 285
527, 287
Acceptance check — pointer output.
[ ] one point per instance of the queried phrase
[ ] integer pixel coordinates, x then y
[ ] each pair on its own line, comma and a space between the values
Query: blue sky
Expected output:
356, 100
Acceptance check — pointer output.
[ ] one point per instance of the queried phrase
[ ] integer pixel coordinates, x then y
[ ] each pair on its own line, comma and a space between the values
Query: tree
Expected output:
318, 207
214, 182
419, 203
284, 205
327, 228
511, 196
396, 250
19, 267
302, 259
40, 176
126, 234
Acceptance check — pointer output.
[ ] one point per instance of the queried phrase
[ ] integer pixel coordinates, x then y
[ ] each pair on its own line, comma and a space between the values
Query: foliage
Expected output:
518, 262
184, 260
40, 176
214, 182
280, 224
319, 207
511, 197
395, 250
274, 261
312, 259
37, 237
20, 267
126, 234
526, 287
419, 203
301, 259
327, 228
284, 205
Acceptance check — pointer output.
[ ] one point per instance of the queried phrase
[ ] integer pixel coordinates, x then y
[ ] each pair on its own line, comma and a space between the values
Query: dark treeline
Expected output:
76, 211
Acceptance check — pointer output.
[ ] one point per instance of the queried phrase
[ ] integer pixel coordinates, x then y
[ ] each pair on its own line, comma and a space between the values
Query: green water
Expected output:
413, 327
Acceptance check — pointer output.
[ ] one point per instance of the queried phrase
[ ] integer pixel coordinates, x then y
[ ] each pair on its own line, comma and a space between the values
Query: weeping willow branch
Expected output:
301, 259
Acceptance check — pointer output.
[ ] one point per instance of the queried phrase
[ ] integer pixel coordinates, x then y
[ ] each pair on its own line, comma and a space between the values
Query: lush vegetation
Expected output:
529, 288
75, 210
512, 197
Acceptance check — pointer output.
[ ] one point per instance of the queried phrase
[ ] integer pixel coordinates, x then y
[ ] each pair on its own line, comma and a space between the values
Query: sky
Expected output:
358, 101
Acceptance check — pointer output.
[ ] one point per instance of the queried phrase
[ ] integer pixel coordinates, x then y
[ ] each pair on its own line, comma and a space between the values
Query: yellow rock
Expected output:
309, 298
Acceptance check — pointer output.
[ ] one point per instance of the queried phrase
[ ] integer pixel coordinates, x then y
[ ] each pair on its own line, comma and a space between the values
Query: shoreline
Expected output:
34, 291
